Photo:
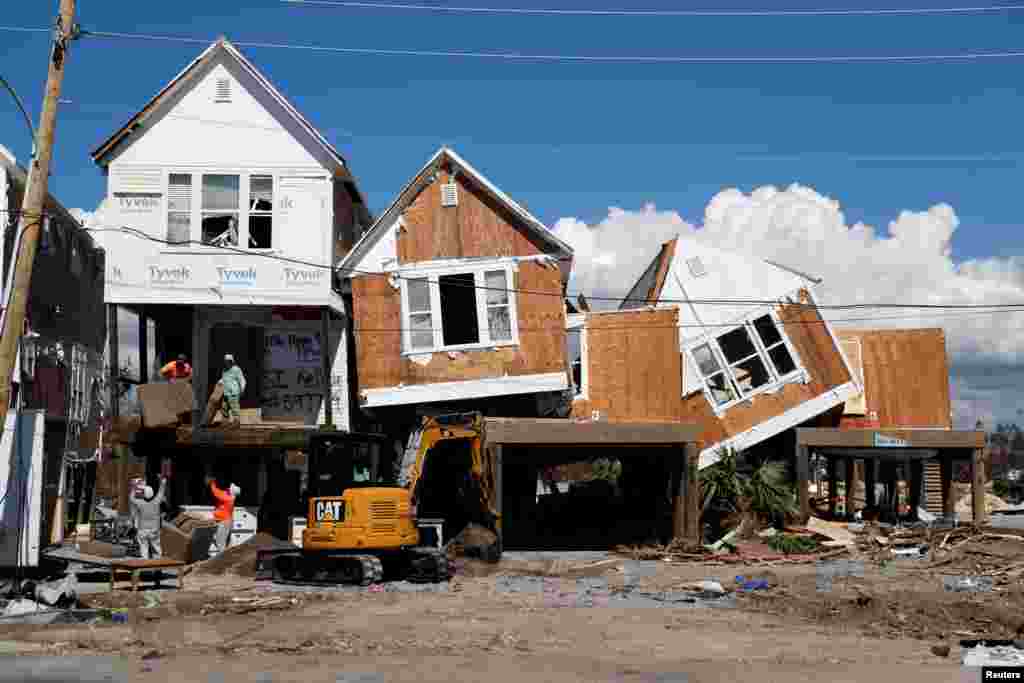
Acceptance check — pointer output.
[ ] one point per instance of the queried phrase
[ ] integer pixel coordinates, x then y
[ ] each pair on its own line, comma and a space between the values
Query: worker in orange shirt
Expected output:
177, 369
223, 514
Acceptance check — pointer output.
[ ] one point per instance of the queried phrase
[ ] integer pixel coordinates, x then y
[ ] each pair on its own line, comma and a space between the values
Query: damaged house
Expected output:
225, 209
745, 372
457, 303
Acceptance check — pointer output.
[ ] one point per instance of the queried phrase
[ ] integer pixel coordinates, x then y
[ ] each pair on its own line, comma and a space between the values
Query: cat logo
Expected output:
329, 510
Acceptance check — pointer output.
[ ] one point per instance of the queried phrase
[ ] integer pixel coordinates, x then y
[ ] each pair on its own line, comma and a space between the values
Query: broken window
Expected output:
499, 317
261, 211
421, 327
220, 208
747, 367
718, 383
179, 208
474, 308
775, 345
459, 322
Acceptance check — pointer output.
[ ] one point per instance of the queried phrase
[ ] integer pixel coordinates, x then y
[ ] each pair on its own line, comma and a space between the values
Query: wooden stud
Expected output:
691, 495
916, 484
679, 497
850, 484
978, 486
870, 481
833, 485
803, 466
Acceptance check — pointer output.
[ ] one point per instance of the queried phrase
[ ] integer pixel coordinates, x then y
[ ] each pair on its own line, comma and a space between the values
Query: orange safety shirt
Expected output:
224, 503
173, 371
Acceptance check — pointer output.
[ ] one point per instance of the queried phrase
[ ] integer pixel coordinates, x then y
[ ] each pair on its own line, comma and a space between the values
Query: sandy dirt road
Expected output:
477, 633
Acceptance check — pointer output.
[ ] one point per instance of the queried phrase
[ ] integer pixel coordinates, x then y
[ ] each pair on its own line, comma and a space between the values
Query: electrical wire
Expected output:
551, 57
644, 301
21, 107
661, 13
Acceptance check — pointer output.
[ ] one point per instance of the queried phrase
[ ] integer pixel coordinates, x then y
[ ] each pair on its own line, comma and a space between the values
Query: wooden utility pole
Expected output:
33, 206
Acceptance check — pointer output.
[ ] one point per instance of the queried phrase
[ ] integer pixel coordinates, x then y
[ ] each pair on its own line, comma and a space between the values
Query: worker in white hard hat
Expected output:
146, 519
233, 381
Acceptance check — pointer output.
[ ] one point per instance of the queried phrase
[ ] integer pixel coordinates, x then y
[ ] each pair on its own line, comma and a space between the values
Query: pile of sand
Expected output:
241, 559
992, 504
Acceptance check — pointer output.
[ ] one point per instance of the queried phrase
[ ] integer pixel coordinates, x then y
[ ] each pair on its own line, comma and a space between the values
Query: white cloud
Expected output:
803, 229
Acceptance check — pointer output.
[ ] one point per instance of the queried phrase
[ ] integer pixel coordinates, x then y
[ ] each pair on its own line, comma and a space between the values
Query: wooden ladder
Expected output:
933, 487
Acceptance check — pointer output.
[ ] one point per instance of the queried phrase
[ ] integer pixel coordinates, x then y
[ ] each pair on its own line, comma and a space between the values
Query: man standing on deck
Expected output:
233, 381
177, 370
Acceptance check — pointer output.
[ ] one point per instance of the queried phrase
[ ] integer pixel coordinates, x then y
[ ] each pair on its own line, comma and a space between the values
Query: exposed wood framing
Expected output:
915, 438
978, 486
520, 431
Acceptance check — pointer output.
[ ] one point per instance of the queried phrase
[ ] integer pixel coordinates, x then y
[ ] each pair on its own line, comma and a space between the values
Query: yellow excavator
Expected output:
361, 530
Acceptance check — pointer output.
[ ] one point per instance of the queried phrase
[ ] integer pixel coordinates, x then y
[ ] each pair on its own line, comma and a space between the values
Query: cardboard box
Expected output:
164, 404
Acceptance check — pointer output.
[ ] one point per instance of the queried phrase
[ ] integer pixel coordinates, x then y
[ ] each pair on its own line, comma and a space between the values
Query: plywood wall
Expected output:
542, 336
633, 366
906, 377
477, 227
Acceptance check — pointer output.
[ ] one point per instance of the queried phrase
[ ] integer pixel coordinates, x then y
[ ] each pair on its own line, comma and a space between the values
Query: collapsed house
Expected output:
47, 468
225, 209
773, 378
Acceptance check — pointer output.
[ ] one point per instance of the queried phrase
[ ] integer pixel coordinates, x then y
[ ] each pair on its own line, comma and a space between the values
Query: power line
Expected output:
540, 57
722, 302
24, 111
660, 13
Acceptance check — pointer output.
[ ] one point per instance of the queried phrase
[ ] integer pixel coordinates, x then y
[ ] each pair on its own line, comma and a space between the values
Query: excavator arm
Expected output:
434, 430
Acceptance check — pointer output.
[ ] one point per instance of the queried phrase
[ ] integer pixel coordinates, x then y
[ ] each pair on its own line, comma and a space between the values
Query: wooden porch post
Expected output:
679, 497
916, 482
978, 486
691, 494
803, 466
850, 485
870, 479
833, 484
325, 360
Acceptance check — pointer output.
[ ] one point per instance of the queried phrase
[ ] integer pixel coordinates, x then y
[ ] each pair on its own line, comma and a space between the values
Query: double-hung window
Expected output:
179, 208
220, 209
457, 310
261, 211
743, 361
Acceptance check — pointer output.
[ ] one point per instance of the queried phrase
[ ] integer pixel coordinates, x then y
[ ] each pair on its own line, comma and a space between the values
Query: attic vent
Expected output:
449, 195
696, 267
223, 92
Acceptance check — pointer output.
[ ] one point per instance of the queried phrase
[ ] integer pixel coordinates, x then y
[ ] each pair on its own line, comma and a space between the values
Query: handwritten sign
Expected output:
293, 378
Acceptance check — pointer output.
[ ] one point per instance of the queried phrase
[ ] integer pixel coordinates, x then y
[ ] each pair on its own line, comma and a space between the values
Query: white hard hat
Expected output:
235, 491
228, 356
148, 492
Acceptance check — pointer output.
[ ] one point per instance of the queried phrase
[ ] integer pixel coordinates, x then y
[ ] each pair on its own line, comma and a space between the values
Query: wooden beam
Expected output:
915, 438
948, 492
870, 481
803, 468
850, 484
691, 495
499, 497
833, 484
553, 432
978, 486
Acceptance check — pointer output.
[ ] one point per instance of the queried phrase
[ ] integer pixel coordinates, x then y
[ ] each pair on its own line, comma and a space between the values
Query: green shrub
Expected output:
792, 545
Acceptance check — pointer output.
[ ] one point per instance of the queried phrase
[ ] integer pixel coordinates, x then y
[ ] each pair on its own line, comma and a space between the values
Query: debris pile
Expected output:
474, 541
241, 559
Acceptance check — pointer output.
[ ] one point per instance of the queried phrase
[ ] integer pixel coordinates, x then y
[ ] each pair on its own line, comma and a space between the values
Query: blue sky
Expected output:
572, 139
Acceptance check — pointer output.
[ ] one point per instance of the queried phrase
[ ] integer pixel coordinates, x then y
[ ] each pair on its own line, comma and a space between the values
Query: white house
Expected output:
224, 211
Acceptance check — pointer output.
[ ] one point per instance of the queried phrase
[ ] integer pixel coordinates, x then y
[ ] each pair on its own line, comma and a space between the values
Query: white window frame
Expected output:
274, 191
433, 275
197, 212
775, 380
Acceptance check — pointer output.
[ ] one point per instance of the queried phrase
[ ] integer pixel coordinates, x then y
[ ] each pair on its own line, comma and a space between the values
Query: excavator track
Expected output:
428, 565
327, 569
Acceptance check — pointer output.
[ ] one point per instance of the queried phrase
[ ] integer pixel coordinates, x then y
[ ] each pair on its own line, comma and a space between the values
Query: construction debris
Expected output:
241, 559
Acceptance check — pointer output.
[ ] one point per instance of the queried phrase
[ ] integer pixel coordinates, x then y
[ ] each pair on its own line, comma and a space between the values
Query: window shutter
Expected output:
856, 405
179, 193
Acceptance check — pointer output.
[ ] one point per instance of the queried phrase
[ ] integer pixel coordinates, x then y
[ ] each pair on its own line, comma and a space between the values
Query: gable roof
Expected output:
647, 289
220, 46
420, 180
